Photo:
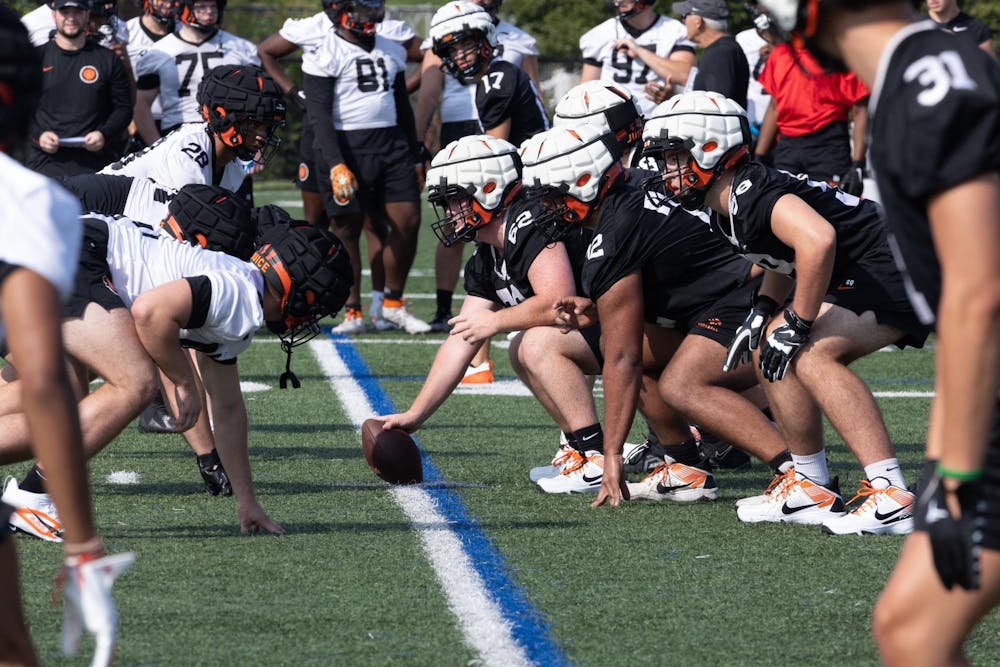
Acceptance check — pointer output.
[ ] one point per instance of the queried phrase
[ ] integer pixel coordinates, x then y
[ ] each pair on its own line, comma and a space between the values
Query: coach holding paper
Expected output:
86, 99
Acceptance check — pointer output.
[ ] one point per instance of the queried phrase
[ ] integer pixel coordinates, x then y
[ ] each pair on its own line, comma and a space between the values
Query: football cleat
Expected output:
87, 602
481, 374
566, 456
376, 321
440, 323
583, 475
717, 453
395, 311
799, 500
878, 512
156, 418
775, 486
642, 457
353, 323
677, 482
34, 513
214, 475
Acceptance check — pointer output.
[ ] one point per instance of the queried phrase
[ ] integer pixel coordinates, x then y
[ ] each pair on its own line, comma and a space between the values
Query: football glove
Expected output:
853, 180
956, 541
782, 346
298, 96
215, 477
343, 183
86, 582
747, 337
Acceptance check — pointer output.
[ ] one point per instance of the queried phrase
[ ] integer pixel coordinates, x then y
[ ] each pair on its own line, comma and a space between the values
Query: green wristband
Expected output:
960, 475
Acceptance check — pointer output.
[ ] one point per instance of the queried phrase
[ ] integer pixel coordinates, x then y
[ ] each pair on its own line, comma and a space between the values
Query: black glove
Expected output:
782, 346
216, 479
747, 337
853, 180
956, 542
298, 96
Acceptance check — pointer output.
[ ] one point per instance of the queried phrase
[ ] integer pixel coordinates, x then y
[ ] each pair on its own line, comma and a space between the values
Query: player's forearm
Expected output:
813, 269
231, 429
319, 103
533, 312
860, 133
431, 87
446, 372
622, 374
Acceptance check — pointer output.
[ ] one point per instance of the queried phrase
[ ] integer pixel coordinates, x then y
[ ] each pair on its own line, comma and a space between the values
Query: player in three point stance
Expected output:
39, 225
935, 124
360, 113
127, 324
849, 301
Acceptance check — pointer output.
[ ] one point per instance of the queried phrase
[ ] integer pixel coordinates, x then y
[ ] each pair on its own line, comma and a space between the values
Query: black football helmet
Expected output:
20, 79
233, 96
187, 17
213, 218
359, 17
310, 271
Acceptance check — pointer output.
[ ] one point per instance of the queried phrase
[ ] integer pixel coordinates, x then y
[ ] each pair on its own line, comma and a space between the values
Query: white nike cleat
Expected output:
879, 512
354, 323
584, 475
377, 321
87, 603
677, 482
566, 456
397, 313
34, 513
800, 500
776, 486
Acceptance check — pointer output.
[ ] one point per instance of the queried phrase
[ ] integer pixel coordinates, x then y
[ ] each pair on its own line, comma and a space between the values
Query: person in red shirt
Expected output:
809, 115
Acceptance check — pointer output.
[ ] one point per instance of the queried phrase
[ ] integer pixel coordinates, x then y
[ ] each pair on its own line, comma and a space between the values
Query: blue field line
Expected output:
529, 629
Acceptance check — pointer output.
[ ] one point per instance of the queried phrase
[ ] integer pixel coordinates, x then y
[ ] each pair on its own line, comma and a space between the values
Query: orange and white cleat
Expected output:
776, 486
566, 456
796, 500
354, 323
583, 474
481, 374
878, 511
396, 312
677, 482
34, 513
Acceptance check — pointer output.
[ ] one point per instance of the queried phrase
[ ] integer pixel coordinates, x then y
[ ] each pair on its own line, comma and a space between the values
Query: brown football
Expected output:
392, 454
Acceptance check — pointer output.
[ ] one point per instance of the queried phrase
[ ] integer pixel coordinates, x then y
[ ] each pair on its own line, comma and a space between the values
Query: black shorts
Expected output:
720, 320
384, 166
592, 335
457, 129
305, 178
93, 277
825, 155
875, 284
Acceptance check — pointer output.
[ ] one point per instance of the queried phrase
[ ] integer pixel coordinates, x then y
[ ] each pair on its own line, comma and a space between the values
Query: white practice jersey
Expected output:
40, 25
458, 102
182, 157
139, 43
141, 259
663, 37
181, 65
363, 96
396, 30
309, 33
757, 99
39, 225
148, 202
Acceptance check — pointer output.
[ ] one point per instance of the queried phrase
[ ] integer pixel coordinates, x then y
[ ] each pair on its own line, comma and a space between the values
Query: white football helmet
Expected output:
609, 107
471, 180
568, 169
459, 21
693, 138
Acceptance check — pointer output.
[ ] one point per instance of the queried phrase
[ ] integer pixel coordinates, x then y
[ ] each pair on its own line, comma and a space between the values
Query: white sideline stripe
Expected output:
479, 617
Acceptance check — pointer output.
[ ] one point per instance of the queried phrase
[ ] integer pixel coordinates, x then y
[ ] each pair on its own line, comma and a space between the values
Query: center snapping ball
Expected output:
392, 454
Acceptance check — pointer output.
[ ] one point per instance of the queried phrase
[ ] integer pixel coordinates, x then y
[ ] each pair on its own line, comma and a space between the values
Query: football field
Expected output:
475, 566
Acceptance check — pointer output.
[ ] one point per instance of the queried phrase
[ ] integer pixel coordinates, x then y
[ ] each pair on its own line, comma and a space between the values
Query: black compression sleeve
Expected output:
319, 102
404, 113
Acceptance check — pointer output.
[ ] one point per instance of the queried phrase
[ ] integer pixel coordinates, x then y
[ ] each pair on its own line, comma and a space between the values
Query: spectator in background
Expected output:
810, 110
756, 43
42, 27
616, 51
723, 68
949, 16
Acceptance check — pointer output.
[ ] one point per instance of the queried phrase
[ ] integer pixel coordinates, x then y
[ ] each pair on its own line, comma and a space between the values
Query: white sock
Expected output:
813, 466
885, 473
377, 299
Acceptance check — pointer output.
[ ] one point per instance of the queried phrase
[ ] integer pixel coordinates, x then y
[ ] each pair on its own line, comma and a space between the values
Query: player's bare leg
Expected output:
15, 642
313, 210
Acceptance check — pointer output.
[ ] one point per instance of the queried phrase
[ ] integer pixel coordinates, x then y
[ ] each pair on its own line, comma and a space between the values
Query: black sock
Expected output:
684, 452
394, 294
778, 461
443, 297
589, 438
34, 481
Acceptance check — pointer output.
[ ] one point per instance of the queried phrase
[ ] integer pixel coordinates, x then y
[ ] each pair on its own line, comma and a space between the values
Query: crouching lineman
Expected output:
849, 301
662, 285
39, 225
142, 298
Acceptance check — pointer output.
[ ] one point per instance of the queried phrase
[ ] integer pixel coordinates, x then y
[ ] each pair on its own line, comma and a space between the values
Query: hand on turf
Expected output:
343, 183
613, 487
575, 312
185, 406
475, 327
954, 522
782, 345
254, 519
747, 337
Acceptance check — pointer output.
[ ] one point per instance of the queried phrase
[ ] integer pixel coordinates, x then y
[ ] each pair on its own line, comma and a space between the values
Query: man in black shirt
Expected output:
86, 101
722, 68
948, 16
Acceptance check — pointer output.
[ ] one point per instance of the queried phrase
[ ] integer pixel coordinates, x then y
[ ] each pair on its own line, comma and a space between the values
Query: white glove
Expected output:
87, 603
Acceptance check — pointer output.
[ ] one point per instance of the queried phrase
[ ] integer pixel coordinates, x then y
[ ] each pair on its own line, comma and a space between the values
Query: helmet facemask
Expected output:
166, 20
470, 47
358, 17
458, 214
189, 18
637, 7
561, 212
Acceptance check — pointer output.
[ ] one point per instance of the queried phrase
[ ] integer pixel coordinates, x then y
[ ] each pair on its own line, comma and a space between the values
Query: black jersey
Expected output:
503, 277
968, 27
935, 123
506, 92
723, 68
684, 266
747, 227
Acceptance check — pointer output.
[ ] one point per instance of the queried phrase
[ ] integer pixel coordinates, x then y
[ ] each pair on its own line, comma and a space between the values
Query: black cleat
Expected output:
440, 323
156, 418
216, 479
717, 453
